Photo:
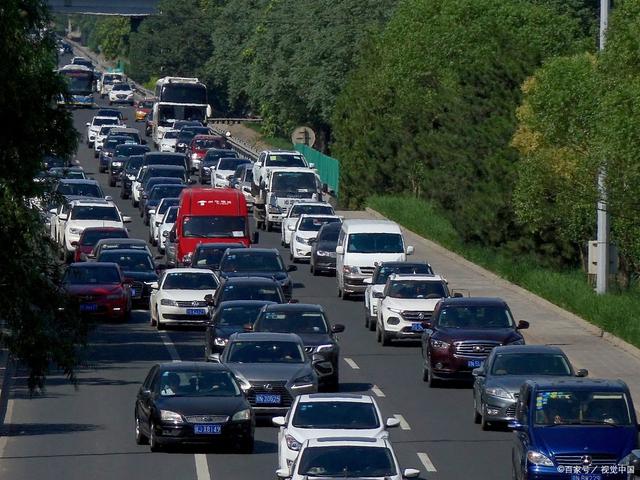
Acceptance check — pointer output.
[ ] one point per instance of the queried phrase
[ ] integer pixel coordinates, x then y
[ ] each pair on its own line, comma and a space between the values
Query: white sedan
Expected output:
305, 232
121, 93
322, 415
166, 225
347, 457
168, 141
297, 209
178, 297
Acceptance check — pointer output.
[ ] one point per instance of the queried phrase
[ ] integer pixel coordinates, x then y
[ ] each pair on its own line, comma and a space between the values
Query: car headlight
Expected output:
107, 154
167, 302
301, 240
220, 342
498, 392
394, 310
292, 443
325, 347
538, 458
169, 416
518, 342
439, 344
349, 269
241, 415
75, 230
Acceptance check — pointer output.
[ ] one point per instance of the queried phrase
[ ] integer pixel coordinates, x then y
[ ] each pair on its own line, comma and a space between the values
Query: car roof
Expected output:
318, 215
104, 229
93, 202
79, 181
338, 397
171, 271
579, 383
294, 307
186, 366
239, 303
267, 337
357, 225
256, 250
164, 167
164, 154
127, 250
473, 302
424, 277
401, 264
117, 130
281, 152
95, 264
262, 280
130, 241
217, 246
313, 204
347, 442
528, 349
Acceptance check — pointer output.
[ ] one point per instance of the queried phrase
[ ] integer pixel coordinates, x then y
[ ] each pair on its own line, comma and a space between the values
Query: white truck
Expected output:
280, 189
270, 159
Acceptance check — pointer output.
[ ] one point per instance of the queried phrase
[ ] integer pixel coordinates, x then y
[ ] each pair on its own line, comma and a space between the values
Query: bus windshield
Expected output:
193, 93
79, 82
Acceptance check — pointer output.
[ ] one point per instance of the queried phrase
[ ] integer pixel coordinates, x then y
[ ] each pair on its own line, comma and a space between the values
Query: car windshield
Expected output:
214, 227
375, 243
129, 261
329, 234
86, 212
292, 322
530, 364
237, 315
294, 182
265, 352
170, 216
81, 275
104, 121
581, 407
313, 224
164, 191
249, 291
130, 149
171, 134
158, 159
91, 237
475, 317
347, 461
164, 172
416, 289
208, 257
301, 208
134, 163
214, 155
104, 131
112, 143
121, 87
196, 383
285, 160
380, 278
165, 204
336, 415
230, 163
190, 281
252, 261
79, 189
203, 143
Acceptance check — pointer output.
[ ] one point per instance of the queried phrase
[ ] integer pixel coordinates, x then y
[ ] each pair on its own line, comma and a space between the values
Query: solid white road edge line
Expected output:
351, 363
7, 420
379, 393
426, 461
403, 423
202, 467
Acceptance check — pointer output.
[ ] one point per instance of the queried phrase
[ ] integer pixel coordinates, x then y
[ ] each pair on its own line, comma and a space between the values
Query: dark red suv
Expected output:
90, 236
462, 333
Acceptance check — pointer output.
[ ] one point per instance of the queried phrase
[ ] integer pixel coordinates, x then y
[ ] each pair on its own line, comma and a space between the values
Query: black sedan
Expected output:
310, 323
247, 288
323, 249
208, 255
193, 403
229, 318
129, 173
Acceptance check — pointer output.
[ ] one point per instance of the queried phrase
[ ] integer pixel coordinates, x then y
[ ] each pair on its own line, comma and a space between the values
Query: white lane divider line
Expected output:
351, 363
426, 461
403, 423
173, 353
202, 467
379, 393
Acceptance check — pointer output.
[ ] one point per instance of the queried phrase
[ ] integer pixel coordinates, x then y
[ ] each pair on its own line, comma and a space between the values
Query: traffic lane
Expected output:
72, 432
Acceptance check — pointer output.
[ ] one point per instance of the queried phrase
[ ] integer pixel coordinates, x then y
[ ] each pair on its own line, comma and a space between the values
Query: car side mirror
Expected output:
247, 327
283, 473
478, 372
160, 267
294, 300
278, 421
165, 234
517, 426
88, 124
410, 473
145, 393
63, 216
53, 211
91, 256
410, 250
191, 181
523, 325
154, 286
209, 299
378, 295
312, 165
143, 142
255, 238
292, 268
583, 372
392, 422
457, 295
74, 243
126, 219
109, 198
325, 188
368, 281
337, 328
291, 228
427, 325
340, 250
214, 357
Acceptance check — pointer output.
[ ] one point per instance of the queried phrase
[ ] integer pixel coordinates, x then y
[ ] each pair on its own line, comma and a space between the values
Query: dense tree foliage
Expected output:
580, 113
36, 329
431, 109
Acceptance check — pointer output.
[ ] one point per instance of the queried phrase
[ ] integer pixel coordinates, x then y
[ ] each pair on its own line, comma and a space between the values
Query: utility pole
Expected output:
602, 277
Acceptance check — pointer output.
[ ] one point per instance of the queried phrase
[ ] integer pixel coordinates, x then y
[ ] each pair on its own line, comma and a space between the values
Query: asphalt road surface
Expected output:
88, 432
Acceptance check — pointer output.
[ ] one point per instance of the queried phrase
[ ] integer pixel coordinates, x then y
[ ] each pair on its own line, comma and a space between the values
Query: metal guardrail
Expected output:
243, 148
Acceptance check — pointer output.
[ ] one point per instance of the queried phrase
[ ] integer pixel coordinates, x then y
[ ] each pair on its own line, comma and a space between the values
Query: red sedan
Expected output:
100, 288
90, 236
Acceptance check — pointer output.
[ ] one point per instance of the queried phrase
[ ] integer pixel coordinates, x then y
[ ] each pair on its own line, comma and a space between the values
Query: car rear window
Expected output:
336, 415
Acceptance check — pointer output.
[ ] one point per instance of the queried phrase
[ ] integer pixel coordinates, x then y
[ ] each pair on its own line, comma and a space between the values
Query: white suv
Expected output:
93, 127
320, 415
297, 209
406, 302
121, 93
88, 213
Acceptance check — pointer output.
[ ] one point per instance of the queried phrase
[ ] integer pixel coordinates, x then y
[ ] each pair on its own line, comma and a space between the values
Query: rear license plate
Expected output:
585, 476
196, 311
214, 429
417, 327
133, 292
88, 307
474, 363
268, 399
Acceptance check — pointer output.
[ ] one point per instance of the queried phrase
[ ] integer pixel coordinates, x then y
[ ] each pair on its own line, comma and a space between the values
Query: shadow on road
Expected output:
29, 429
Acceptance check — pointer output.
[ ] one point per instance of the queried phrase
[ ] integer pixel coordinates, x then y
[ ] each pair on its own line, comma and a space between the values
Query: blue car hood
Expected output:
558, 440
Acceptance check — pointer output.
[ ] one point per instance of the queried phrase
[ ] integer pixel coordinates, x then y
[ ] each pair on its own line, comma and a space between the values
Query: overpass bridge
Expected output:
128, 8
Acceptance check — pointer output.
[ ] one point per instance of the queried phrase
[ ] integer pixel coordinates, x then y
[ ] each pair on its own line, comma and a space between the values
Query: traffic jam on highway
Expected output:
209, 262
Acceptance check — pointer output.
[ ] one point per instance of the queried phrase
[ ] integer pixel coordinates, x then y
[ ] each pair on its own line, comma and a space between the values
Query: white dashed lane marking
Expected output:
426, 461
351, 363
376, 390
403, 423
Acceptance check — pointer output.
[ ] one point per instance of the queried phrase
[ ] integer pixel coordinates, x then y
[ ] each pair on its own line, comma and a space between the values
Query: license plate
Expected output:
133, 292
474, 363
88, 307
214, 429
586, 476
417, 327
265, 398
196, 311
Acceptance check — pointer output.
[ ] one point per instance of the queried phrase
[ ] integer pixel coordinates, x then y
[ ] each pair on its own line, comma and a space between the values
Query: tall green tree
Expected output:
38, 327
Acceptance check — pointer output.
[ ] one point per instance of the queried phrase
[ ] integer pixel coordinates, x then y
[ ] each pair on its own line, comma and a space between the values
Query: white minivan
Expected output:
362, 244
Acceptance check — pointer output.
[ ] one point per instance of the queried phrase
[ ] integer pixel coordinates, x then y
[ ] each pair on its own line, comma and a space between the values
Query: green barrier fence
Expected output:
328, 167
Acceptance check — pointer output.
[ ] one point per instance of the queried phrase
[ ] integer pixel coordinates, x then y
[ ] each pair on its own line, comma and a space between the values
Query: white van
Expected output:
362, 244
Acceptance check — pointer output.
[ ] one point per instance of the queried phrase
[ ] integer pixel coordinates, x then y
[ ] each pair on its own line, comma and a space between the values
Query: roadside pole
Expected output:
602, 277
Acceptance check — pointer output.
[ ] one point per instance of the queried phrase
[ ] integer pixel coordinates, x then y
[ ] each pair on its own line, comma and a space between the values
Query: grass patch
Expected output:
275, 141
617, 313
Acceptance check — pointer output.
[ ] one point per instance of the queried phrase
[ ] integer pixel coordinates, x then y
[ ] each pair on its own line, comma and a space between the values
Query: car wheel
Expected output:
425, 373
246, 445
154, 444
112, 182
476, 416
372, 325
366, 320
386, 339
141, 438
433, 382
484, 424
159, 324
135, 204
268, 226
378, 335
122, 194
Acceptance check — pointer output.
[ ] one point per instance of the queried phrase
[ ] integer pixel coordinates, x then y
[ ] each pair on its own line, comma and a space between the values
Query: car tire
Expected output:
159, 324
141, 438
366, 320
433, 381
378, 335
425, 373
477, 417
372, 325
386, 339
484, 424
268, 226
154, 444
112, 182
135, 204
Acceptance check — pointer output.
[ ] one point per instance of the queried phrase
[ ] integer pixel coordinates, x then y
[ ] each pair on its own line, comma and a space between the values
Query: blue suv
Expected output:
574, 429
